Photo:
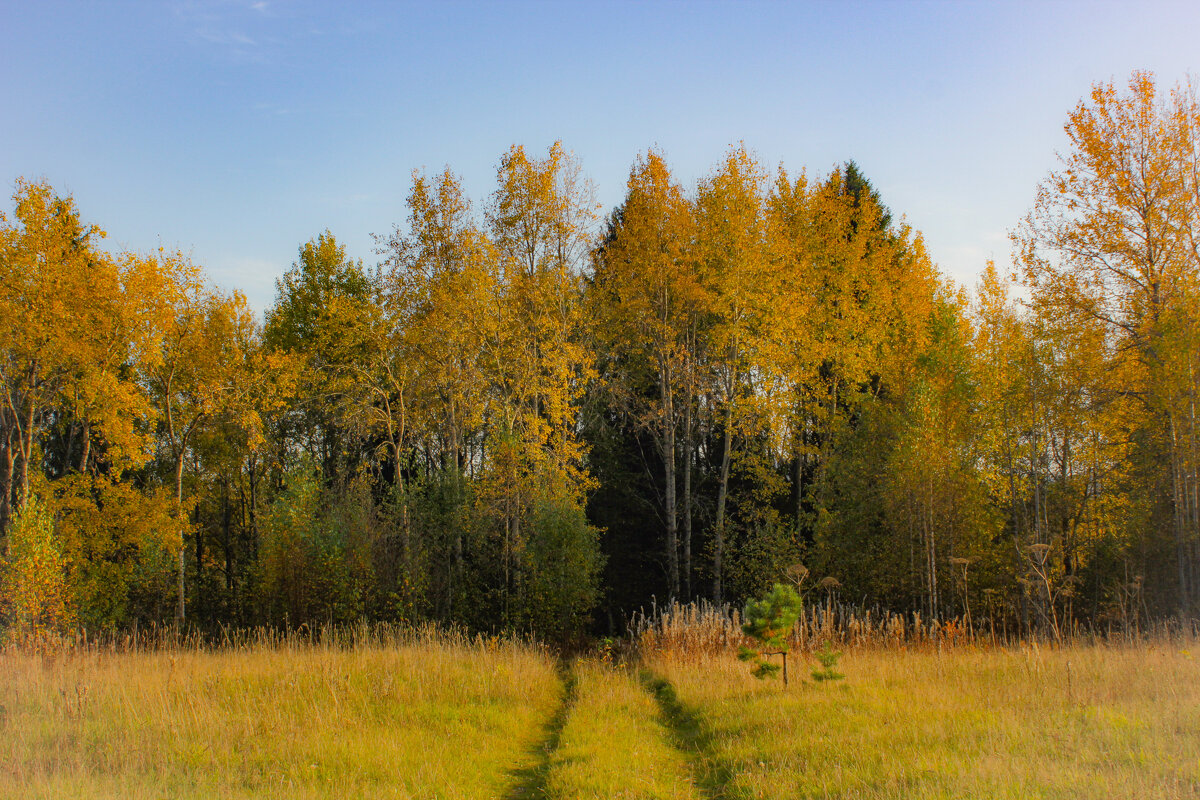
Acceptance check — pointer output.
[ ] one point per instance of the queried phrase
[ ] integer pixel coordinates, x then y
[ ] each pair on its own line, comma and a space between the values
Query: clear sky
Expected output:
236, 130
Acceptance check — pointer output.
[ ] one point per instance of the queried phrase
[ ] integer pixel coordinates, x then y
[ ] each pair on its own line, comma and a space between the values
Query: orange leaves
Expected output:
540, 221
647, 293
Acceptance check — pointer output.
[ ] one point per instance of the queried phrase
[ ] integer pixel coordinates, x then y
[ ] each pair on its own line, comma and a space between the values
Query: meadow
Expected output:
427, 715
437, 715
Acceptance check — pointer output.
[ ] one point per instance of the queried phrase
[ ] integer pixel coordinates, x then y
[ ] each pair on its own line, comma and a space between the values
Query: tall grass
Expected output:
702, 627
924, 712
358, 712
939, 716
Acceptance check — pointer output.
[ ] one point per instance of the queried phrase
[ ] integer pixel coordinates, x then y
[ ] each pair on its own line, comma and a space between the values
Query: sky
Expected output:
237, 130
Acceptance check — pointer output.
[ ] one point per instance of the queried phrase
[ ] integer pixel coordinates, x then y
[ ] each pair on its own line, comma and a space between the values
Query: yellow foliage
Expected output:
33, 594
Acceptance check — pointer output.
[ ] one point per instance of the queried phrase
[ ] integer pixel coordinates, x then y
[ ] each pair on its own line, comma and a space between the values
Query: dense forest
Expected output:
530, 415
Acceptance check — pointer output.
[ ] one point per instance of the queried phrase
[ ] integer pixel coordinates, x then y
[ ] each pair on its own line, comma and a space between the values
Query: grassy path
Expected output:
531, 782
610, 739
690, 736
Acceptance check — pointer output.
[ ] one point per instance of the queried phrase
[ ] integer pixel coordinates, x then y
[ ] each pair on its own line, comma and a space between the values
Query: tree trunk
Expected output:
935, 598
26, 455
798, 466
227, 526
1193, 527
252, 474
7, 456
722, 495
181, 608
687, 501
87, 448
398, 483
668, 456
1177, 519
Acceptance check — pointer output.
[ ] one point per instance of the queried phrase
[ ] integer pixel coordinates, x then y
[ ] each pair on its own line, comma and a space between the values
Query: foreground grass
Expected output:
616, 743
1083, 722
439, 717
431, 720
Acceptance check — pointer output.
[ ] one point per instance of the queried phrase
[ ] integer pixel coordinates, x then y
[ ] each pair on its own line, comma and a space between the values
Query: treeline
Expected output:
530, 417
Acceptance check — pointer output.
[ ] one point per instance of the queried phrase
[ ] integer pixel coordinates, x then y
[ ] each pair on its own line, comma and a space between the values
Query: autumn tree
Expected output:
539, 219
735, 271
49, 270
647, 299
438, 288
1112, 238
203, 369
322, 304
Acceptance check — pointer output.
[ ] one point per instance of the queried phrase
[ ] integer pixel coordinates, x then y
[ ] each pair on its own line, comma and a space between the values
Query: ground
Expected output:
433, 716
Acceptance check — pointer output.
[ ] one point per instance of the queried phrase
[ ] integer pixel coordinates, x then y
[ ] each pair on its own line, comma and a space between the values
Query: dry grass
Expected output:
1074, 722
616, 743
705, 627
434, 715
428, 717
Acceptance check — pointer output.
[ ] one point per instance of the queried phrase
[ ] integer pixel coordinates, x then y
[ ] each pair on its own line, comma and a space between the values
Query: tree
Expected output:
769, 623
646, 301
1112, 238
204, 368
931, 495
540, 220
322, 315
438, 294
50, 274
736, 273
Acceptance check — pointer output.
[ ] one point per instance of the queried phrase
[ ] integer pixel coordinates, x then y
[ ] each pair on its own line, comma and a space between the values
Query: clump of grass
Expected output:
288, 718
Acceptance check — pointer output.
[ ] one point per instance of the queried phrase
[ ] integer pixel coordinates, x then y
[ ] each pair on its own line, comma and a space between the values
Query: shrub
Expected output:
33, 588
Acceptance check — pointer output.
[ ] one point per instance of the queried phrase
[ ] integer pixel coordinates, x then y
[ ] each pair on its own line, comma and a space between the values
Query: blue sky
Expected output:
236, 130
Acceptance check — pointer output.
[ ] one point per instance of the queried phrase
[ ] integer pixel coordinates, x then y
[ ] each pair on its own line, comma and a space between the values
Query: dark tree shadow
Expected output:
530, 783
688, 734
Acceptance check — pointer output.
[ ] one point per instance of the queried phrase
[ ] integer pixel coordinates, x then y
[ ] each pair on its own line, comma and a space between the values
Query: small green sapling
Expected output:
769, 622
828, 658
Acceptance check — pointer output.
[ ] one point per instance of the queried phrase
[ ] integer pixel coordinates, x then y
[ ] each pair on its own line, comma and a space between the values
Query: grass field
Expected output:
1078, 722
443, 717
437, 718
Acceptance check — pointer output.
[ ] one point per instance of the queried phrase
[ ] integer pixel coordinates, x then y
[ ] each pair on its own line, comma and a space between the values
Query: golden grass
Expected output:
439, 718
615, 743
426, 715
1032, 722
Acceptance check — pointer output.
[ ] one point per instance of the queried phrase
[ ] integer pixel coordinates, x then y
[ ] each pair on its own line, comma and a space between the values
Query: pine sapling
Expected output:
828, 658
769, 623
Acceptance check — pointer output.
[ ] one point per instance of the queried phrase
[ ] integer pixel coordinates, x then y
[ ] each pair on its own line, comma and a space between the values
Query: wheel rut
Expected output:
531, 783
688, 734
